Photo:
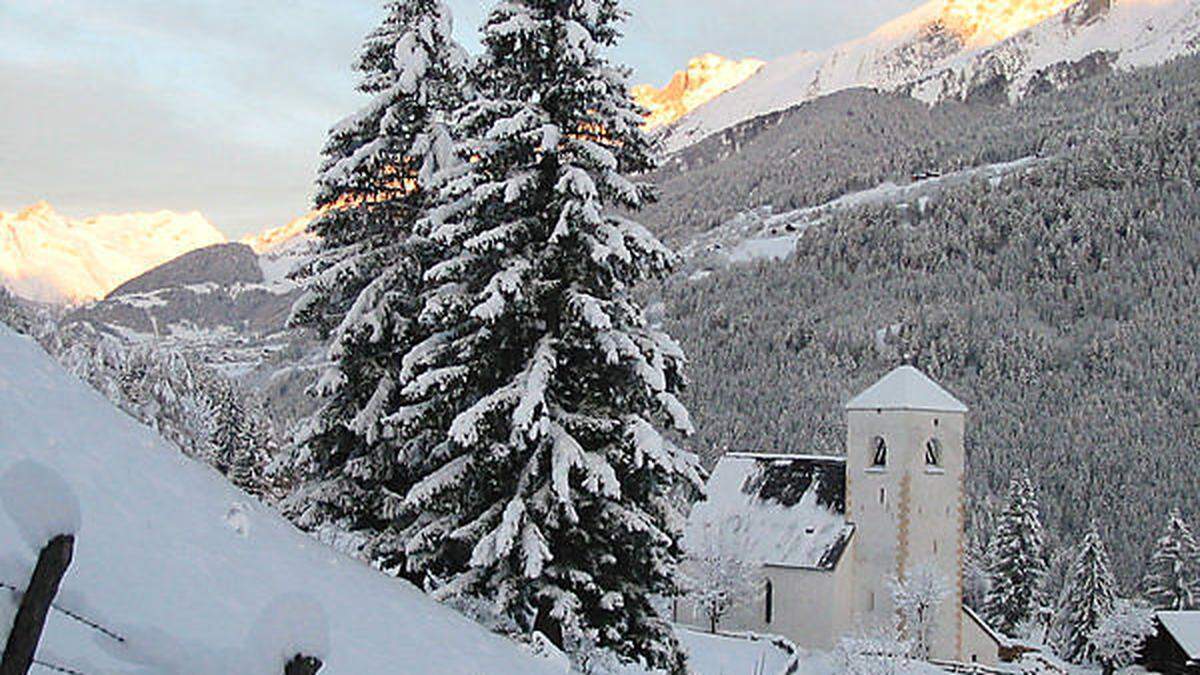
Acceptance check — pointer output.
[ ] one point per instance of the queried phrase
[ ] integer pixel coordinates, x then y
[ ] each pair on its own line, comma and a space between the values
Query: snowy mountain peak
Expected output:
282, 238
40, 210
705, 78
964, 50
986, 22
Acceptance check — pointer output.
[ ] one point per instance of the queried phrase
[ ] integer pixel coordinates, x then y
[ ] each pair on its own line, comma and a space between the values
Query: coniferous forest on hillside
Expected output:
1059, 302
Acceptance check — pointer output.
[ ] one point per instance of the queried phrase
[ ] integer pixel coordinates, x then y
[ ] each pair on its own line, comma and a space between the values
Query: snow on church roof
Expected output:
906, 388
784, 510
1185, 628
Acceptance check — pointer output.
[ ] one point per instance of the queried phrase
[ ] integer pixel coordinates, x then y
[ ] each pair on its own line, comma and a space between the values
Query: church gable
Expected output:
779, 510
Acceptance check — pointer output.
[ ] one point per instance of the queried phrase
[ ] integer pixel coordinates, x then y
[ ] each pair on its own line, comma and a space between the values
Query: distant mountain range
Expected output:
50, 258
47, 257
991, 50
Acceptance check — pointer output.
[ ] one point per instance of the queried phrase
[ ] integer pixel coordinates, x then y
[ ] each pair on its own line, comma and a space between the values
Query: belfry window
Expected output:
933, 452
879, 448
769, 603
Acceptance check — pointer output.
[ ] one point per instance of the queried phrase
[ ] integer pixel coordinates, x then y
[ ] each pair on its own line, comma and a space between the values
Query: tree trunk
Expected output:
302, 665
27, 627
547, 625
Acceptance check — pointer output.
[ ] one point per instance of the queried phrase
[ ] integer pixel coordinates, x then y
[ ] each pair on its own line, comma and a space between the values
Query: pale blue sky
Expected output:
221, 106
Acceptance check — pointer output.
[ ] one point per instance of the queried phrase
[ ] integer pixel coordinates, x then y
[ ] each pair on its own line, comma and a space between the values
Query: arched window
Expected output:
769, 603
879, 450
933, 452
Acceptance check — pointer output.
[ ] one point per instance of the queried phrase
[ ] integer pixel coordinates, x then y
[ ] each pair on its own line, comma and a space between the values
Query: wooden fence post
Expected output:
302, 665
27, 627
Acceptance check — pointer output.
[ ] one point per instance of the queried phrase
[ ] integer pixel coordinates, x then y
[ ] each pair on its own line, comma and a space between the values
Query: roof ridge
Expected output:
769, 455
906, 388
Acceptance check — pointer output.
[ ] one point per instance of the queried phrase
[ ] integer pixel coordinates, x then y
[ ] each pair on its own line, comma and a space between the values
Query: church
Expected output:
829, 534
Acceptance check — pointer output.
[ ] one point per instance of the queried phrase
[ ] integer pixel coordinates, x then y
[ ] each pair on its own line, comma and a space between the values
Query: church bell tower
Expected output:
905, 466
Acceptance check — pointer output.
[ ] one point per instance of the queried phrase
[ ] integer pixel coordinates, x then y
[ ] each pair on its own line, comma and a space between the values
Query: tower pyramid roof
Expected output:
906, 388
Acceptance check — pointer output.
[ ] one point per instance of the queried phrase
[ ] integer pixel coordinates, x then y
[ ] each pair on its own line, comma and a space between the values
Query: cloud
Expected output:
220, 107
91, 144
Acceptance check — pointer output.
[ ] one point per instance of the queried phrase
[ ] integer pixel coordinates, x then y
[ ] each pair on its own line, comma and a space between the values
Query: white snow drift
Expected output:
196, 576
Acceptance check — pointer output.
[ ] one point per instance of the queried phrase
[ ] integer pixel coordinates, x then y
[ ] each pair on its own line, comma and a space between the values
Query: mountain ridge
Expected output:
936, 53
47, 257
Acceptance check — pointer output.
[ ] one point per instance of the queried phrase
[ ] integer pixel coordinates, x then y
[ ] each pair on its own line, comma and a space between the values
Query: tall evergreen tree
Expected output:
379, 165
550, 489
1088, 598
1016, 561
1173, 581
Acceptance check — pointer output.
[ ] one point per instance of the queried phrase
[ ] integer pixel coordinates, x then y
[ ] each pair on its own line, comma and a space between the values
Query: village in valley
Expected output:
878, 357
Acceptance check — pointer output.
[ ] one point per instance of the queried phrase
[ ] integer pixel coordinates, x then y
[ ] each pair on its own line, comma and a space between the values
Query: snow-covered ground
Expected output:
766, 235
727, 655
194, 575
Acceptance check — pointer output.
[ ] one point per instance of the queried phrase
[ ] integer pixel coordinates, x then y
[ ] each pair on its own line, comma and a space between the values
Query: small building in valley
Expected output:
830, 534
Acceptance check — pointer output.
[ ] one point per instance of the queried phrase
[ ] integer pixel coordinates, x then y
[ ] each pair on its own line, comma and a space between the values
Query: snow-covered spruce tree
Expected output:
239, 439
1090, 596
1173, 580
551, 489
1017, 562
373, 188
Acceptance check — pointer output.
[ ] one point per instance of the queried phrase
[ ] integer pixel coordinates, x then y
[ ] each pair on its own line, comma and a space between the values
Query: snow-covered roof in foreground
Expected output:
906, 388
195, 575
774, 509
1185, 628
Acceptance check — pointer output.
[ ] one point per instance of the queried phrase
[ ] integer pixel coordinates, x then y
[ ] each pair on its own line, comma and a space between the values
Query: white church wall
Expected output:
804, 608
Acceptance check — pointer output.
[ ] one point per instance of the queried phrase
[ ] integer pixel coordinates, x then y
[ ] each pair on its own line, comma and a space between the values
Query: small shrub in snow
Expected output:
1119, 637
918, 596
718, 581
872, 652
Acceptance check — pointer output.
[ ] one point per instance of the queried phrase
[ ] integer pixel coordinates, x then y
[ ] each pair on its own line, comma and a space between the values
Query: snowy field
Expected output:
723, 655
194, 575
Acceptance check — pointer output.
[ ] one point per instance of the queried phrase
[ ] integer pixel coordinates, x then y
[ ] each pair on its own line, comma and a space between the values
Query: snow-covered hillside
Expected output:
958, 49
47, 257
194, 575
